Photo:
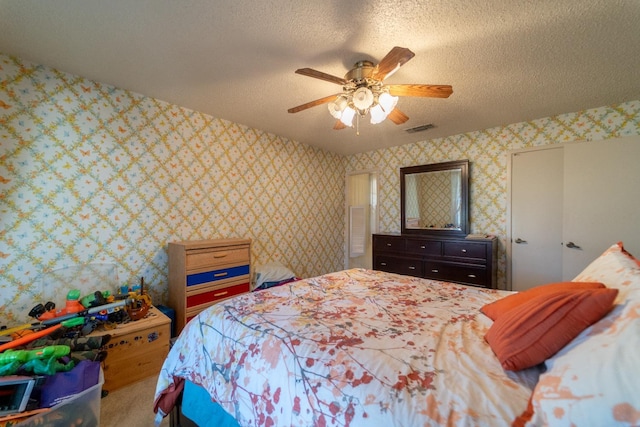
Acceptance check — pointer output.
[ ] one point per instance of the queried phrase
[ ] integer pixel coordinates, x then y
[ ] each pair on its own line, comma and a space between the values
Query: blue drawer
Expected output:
212, 276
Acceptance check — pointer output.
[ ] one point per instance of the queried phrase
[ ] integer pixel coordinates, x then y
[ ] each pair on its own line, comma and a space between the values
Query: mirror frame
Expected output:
463, 165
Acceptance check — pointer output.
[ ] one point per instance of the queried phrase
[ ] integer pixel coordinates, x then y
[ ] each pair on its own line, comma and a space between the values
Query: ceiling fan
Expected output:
363, 91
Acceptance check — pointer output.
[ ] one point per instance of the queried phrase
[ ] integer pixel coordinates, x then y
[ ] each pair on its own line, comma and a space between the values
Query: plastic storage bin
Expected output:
83, 409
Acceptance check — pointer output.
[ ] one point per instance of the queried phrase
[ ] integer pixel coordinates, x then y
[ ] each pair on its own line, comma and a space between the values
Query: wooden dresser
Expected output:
451, 259
202, 272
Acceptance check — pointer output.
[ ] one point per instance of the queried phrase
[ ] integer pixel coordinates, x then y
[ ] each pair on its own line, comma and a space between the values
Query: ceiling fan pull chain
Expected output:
358, 124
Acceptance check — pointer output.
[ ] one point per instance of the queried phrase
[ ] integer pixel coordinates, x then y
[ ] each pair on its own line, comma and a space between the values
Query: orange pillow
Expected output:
536, 330
497, 308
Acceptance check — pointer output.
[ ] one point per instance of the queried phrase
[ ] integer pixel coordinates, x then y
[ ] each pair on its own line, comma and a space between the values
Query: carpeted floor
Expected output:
130, 406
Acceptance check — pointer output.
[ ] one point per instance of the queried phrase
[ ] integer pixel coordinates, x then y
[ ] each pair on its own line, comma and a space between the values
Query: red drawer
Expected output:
216, 294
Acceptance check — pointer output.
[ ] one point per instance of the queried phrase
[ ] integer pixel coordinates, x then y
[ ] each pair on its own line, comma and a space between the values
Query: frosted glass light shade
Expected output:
347, 116
362, 98
337, 107
387, 102
377, 114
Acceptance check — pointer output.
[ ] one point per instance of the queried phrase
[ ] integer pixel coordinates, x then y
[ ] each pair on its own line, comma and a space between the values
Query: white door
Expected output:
602, 200
536, 217
361, 218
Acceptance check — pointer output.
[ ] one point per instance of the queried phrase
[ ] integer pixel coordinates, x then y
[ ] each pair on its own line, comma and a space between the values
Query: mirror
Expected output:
434, 199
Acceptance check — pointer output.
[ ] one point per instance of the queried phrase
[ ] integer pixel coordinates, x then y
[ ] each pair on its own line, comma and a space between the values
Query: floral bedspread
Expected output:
351, 348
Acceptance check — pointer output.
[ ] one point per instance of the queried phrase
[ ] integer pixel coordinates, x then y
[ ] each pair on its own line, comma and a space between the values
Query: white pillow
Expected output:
271, 272
593, 381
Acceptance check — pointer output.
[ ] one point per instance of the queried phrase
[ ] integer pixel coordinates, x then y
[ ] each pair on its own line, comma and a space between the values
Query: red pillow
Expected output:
536, 330
501, 306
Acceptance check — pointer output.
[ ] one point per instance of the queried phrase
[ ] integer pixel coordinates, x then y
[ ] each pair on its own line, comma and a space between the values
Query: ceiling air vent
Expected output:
420, 128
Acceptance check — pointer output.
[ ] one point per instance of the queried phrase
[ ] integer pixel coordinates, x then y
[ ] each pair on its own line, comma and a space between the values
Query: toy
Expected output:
38, 353
72, 305
28, 338
22, 340
40, 361
47, 366
139, 303
82, 348
96, 299
9, 331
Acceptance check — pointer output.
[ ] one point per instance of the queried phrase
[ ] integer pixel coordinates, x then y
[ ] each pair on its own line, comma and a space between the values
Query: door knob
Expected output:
572, 245
519, 240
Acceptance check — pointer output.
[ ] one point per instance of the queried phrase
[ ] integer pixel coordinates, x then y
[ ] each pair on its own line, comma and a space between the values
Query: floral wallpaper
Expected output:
91, 174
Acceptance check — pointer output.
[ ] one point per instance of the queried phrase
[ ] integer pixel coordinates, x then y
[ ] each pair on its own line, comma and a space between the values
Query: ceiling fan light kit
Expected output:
364, 96
363, 91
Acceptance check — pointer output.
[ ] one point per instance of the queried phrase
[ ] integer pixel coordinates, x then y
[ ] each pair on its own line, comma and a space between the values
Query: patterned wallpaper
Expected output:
90, 173
93, 174
487, 150
435, 209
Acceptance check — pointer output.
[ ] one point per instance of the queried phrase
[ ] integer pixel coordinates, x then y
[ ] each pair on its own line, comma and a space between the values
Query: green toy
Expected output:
41, 361
47, 366
96, 299
37, 353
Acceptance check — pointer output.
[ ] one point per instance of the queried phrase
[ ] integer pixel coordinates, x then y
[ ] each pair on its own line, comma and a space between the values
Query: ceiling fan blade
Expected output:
397, 116
320, 75
339, 125
432, 91
395, 59
320, 101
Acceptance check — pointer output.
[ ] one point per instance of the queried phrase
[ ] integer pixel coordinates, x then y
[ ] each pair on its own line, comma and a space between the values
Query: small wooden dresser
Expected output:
202, 272
451, 259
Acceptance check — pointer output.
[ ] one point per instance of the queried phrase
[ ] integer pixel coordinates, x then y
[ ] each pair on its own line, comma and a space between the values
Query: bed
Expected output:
363, 347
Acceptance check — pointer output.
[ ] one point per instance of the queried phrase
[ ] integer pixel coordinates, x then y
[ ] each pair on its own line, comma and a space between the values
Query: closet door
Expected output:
602, 200
536, 217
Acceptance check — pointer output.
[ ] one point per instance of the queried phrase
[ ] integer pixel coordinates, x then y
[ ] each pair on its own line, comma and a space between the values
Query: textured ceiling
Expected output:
508, 60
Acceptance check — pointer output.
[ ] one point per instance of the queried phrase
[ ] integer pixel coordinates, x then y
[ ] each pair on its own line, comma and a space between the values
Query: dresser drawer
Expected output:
423, 247
208, 258
201, 301
210, 296
461, 273
405, 266
474, 250
389, 244
215, 275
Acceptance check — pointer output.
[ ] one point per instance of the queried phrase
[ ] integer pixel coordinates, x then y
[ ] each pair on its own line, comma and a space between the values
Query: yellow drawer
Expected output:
209, 258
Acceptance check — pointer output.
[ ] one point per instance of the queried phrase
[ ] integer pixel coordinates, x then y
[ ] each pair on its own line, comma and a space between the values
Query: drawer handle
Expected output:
220, 274
220, 254
473, 276
411, 267
435, 271
219, 294
464, 251
388, 244
384, 264
423, 247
